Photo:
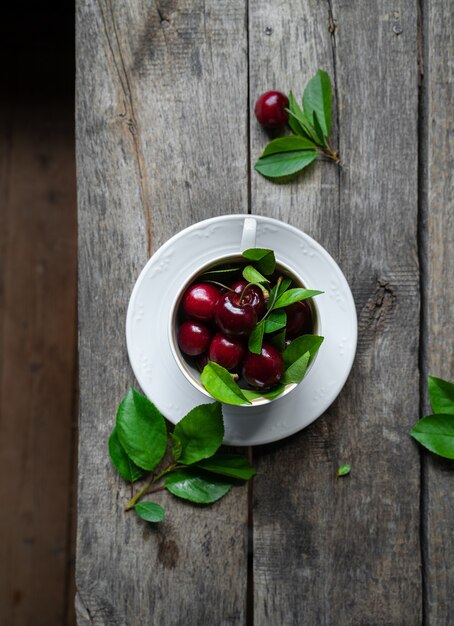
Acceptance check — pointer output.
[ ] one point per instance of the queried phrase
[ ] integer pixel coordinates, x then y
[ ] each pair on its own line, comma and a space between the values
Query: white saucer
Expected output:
149, 309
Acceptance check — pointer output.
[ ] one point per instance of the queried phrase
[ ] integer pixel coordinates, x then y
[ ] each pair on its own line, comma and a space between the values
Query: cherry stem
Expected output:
244, 291
215, 282
330, 154
159, 488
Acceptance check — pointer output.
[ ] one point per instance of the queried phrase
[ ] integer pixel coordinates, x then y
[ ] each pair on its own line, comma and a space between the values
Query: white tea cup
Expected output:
190, 371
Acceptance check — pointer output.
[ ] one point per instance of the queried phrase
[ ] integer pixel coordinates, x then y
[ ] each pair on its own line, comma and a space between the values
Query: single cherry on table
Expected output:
270, 109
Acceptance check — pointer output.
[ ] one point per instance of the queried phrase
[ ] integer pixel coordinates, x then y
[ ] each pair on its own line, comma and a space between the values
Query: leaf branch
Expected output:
287, 156
147, 489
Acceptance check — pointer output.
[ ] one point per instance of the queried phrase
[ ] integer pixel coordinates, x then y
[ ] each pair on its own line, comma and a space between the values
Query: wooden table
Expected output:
166, 137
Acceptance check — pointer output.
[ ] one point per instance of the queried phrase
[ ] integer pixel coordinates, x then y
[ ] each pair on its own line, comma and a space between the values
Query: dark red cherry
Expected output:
299, 319
232, 318
193, 338
264, 369
253, 296
199, 301
226, 351
270, 109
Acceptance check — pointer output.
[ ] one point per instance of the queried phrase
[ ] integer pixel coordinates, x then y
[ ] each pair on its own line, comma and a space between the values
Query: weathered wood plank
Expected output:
289, 42
330, 551
160, 146
439, 290
38, 346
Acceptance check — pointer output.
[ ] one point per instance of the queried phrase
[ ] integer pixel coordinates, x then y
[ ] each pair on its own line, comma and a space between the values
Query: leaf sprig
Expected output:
280, 295
219, 382
311, 127
187, 462
436, 432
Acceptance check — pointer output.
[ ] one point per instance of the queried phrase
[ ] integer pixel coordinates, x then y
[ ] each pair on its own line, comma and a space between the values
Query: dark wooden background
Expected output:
38, 334
166, 137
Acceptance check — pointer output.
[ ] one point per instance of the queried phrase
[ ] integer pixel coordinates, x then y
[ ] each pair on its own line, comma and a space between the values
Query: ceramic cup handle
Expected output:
249, 233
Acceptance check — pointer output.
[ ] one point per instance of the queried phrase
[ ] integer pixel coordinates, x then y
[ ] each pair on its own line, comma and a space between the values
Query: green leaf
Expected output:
441, 393
317, 100
150, 511
220, 273
284, 285
275, 321
256, 338
127, 468
285, 163
308, 130
302, 124
269, 395
280, 288
436, 433
264, 258
196, 486
288, 144
294, 124
294, 112
220, 384
301, 345
294, 295
200, 432
344, 470
253, 276
296, 371
272, 297
177, 447
278, 340
319, 131
141, 430
298, 122
233, 465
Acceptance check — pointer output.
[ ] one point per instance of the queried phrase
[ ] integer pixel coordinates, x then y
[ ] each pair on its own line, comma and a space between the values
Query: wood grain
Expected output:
159, 147
162, 136
346, 551
38, 345
438, 237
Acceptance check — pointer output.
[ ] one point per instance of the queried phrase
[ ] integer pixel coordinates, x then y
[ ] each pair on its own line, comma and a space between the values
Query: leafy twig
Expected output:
131, 504
311, 127
140, 442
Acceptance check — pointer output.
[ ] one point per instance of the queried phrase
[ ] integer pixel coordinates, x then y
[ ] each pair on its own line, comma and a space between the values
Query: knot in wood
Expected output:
378, 307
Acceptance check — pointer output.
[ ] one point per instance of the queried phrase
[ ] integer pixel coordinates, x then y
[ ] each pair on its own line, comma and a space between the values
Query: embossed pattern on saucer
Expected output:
147, 318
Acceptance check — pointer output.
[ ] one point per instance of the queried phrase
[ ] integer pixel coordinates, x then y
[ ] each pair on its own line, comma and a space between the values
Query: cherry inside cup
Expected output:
218, 303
